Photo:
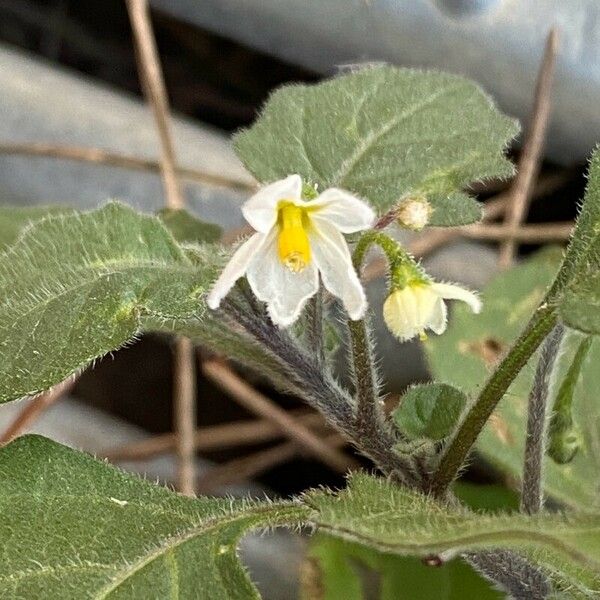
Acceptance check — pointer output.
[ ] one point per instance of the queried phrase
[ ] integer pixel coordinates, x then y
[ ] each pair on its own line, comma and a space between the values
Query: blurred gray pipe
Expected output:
499, 43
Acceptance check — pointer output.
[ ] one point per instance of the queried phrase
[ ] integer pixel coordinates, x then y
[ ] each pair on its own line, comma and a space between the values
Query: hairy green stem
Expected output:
320, 390
370, 426
368, 408
370, 421
455, 453
314, 327
537, 423
402, 266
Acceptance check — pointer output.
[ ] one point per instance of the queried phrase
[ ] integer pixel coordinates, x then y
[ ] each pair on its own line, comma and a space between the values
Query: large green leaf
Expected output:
580, 302
73, 528
75, 287
381, 515
342, 569
384, 133
468, 350
13, 219
185, 227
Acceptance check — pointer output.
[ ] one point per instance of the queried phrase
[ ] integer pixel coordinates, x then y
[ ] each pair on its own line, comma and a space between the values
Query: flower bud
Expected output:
419, 305
414, 213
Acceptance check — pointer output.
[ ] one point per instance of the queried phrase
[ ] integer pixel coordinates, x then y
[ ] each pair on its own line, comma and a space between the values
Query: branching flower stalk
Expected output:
318, 388
370, 418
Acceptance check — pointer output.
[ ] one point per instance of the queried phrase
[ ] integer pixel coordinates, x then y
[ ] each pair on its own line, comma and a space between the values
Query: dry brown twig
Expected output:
216, 437
35, 408
184, 375
531, 154
222, 375
152, 81
99, 156
251, 465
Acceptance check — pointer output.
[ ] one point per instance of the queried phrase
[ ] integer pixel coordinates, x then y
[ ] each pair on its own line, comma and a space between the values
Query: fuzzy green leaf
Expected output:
187, 228
391, 519
13, 219
383, 133
75, 528
343, 569
429, 411
468, 351
580, 303
75, 287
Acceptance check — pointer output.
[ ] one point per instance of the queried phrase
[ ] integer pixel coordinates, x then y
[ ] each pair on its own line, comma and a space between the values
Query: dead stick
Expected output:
251, 399
529, 161
184, 401
35, 408
251, 465
156, 94
544, 232
184, 377
124, 161
216, 437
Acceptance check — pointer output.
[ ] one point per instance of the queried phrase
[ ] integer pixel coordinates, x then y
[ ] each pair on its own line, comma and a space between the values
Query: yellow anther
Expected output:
293, 244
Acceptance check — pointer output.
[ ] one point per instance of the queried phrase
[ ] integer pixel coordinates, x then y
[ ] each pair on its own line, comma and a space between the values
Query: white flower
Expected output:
295, 240
409, 311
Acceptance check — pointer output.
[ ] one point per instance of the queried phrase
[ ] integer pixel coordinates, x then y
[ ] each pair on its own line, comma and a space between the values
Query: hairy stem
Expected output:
370, 425
314, 327
456, 451
512, 572
537, 424
321, 391
369, 412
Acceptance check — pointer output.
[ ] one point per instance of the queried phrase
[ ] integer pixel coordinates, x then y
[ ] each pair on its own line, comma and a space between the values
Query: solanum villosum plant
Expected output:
342, 165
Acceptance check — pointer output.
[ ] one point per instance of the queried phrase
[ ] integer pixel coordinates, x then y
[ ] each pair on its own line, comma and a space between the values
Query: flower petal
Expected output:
426, 301
347, 212
400, 314
261, 209
455, 292
439, 317
235, 268
332, 257
272, 282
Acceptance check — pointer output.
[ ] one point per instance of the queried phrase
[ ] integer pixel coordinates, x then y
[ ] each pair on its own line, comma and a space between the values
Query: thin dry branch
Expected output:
99, 156
34, 409
152, 80
221, 374
184, 401
531, 155
216, 437
253, 464
530, 234
184, 388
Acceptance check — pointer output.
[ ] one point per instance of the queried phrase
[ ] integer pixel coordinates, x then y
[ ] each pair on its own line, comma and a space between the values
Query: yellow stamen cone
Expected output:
292, 243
